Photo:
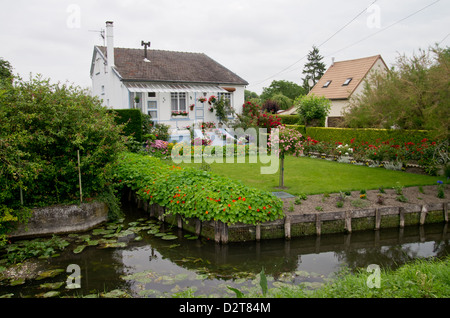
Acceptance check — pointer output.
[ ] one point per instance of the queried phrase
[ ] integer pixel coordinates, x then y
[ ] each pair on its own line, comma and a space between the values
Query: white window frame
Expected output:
176, 100
151, 109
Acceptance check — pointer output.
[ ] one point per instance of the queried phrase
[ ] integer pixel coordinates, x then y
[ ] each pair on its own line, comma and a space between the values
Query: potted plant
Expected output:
211, 109
191, 107
202, 99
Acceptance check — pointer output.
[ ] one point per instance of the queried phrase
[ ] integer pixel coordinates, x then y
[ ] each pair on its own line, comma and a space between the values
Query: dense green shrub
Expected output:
42, 128
133, 120
371, 135
191, 192
313, 110
289, 119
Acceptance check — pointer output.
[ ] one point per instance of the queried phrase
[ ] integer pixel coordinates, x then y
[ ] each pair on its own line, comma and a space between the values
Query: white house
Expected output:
342, 81
162, 83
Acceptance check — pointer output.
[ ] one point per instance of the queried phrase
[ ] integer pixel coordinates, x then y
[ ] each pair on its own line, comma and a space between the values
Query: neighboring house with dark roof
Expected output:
161, 83
342, 81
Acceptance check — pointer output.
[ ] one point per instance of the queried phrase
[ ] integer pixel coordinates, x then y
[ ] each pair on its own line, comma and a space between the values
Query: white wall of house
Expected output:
107, 85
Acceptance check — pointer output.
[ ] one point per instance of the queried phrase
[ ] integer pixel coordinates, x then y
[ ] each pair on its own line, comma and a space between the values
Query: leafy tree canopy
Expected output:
414, 94
287, 88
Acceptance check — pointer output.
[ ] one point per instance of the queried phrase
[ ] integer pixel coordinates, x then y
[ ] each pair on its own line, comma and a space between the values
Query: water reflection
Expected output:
154, 267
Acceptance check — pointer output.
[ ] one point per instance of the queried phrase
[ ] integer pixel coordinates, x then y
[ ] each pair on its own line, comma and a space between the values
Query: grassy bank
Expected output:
312, 176
419, 279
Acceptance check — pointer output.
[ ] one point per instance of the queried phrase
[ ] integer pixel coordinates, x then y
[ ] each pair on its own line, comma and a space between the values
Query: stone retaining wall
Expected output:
314, 223
63, 219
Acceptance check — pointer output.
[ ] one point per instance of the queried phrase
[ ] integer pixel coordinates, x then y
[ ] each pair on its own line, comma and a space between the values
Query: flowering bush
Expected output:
424, 153
191, 192
253, 116
289, 141
201, 141
159, 148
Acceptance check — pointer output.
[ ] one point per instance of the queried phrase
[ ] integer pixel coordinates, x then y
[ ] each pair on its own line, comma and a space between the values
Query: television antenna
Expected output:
102, 34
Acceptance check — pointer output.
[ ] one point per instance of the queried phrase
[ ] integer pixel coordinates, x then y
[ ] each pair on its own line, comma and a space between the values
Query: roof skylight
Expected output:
327, 84
347, 81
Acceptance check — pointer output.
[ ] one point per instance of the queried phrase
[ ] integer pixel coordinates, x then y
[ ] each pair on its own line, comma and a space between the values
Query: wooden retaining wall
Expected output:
296, 225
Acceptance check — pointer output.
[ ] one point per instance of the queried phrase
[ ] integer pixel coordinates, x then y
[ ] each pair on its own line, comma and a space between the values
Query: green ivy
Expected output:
194, 193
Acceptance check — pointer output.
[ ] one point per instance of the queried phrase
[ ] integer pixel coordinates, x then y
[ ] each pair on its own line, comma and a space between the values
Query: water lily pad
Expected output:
160, 234
102, 231
79, 249
169, 237
50, 273
302, 273
115, 244
125, 233
18, 281
116, 293
56, 285
50, 294
82, 238
138, 238
93, 242
154, 231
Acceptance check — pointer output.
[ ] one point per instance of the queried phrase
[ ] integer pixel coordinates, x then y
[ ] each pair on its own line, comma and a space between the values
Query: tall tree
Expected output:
5, 69
287, 88
314, 68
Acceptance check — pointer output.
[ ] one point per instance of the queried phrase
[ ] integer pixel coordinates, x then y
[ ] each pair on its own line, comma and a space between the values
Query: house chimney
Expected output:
110, 43
332, 61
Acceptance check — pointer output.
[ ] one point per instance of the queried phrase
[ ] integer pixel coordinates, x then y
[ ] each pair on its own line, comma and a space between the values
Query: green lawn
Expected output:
312, 176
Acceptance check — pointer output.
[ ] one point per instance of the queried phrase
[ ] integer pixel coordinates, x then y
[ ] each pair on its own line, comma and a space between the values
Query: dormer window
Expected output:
326, 84
347, 81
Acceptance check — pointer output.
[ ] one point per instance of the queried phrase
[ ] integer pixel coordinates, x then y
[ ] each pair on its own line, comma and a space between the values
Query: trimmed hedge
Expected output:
289, 119
358, 135
133, 120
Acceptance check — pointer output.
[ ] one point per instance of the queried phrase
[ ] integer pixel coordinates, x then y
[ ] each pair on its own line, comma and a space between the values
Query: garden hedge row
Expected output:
133, 120
359, 135
194, 193
289, 119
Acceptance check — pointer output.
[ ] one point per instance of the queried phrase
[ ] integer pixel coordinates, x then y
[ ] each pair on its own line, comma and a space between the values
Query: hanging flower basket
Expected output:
191, 107
211, 109
212, 99
202, 99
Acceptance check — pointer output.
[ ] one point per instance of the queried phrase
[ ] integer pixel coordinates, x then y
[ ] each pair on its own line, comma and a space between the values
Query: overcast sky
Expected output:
260, 40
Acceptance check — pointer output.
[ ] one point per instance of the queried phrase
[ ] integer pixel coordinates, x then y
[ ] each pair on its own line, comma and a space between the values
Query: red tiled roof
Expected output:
339, 72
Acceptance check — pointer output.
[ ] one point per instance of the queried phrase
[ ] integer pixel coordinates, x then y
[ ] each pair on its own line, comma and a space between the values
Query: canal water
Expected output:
152, 259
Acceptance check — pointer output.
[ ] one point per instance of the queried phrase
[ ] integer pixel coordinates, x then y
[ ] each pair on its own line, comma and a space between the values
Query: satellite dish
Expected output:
310, 82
